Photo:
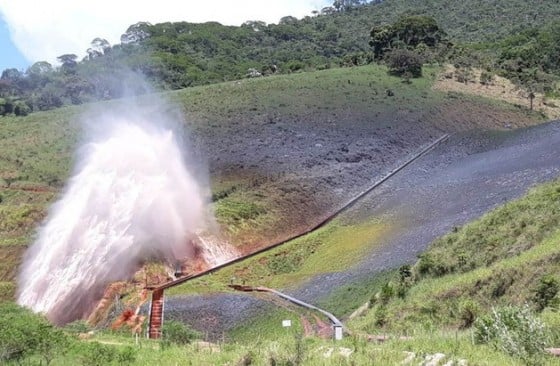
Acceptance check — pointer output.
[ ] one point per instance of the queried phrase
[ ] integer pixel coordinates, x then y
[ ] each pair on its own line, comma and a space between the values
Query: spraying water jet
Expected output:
131, 199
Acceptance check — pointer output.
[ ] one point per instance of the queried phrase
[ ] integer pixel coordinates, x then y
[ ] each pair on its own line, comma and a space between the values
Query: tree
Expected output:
39, 67
136, 33
68, 62
408, 32
256, 25
99, 47
48, 98
39, 74
415, 30
11, 75
381, 39
345, 5
13, 82
288, 20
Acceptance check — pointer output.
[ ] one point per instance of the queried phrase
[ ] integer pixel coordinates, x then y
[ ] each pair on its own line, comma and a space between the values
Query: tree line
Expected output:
176, 55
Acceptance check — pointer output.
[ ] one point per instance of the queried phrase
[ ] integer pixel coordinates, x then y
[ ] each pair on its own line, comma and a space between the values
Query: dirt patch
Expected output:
497, 88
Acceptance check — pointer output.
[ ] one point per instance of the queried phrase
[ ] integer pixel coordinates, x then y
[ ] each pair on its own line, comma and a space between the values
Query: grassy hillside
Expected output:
509, 257
502, 258
178, 55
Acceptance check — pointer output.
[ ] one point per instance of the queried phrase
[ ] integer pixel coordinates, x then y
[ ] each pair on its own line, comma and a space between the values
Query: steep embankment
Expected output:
459, 181
281, 151
510, 256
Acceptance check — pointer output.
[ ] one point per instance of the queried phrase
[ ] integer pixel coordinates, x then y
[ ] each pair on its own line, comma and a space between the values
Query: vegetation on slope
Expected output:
514, 38
30, 340
509, 257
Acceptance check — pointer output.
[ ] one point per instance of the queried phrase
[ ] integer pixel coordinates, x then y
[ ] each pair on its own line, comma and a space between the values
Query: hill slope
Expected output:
281, 151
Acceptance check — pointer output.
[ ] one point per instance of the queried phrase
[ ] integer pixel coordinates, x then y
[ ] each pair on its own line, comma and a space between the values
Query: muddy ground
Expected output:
458, 181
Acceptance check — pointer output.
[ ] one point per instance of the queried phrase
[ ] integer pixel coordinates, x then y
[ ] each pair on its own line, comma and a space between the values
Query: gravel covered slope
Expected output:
457, 182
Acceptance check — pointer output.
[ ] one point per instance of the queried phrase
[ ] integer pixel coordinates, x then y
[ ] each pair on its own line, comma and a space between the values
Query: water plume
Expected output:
130, 199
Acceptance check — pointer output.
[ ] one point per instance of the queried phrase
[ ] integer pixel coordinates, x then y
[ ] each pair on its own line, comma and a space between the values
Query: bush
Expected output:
380, 315
486, 78
514, 331
126, 356
21, 108
430, 265
545, 293
25, 334
464, 75
401, 61
468, 311
97, 354
178, 333
294, 66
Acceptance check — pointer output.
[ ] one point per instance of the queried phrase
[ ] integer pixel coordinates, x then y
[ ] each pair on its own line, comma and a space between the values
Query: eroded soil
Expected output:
466, 176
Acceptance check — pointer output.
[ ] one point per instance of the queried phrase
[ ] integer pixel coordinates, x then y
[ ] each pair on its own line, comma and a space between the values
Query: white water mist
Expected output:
130, 199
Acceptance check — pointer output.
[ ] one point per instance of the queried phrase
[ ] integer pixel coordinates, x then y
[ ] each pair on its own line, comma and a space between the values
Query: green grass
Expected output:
505, 232
332, 248
288, 346
443, 301
361, 89
499, 259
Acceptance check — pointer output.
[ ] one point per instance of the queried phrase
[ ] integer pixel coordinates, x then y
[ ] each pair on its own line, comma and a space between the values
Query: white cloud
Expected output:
43, 30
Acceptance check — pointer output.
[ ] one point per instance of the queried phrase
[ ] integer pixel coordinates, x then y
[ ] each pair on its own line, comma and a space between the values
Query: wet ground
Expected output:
458, 181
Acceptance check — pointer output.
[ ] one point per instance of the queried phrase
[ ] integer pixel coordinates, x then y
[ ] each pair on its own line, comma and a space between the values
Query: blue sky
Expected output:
10, 55
44, 30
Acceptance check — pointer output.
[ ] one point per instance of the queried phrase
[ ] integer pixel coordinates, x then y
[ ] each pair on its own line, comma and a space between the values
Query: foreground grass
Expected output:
291, 348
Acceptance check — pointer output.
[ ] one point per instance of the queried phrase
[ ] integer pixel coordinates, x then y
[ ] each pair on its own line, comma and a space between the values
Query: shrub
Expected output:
545, 293
515, 331
429, 265
464, 75
21, 109
294, 354
97, 354
401, 61
380, 315
26, 334
468, 311
178, 333
126, 356
295, 66
486, 78
386, 293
